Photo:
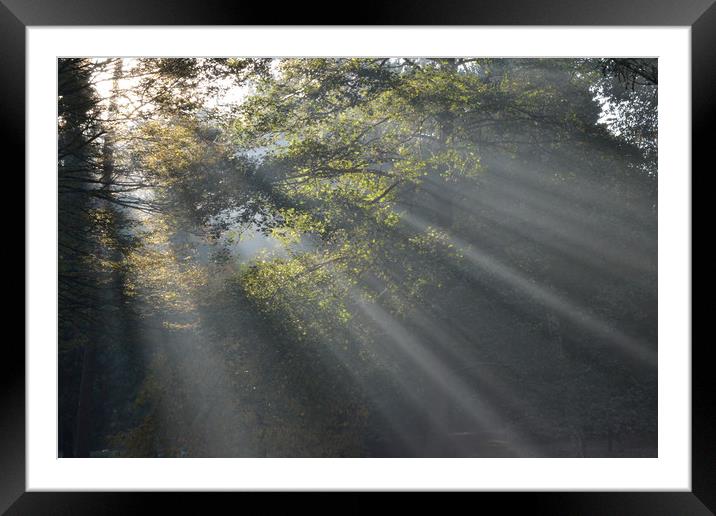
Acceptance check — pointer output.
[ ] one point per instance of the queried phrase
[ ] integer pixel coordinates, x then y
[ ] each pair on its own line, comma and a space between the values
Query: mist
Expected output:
374, 257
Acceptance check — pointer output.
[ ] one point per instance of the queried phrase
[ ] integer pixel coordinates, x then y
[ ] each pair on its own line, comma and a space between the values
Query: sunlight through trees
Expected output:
357, 257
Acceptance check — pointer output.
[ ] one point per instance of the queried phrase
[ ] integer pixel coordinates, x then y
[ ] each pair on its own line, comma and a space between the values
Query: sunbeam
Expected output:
365, 257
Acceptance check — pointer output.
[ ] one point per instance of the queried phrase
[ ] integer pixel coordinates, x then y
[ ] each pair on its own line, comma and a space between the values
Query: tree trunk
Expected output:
84, 406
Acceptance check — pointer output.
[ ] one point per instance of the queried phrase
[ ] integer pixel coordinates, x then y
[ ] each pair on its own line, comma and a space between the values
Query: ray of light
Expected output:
475, 407
543, 296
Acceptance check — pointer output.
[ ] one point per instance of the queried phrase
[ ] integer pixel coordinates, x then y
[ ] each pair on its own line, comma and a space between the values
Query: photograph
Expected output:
357, 257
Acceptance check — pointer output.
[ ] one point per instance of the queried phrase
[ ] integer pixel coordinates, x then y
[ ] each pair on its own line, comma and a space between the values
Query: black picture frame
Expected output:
17, 15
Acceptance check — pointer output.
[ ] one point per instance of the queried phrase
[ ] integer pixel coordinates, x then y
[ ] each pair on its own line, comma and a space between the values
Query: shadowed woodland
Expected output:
374, 257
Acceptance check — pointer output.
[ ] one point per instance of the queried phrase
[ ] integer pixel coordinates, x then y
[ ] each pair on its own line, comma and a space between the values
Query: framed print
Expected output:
384, 257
